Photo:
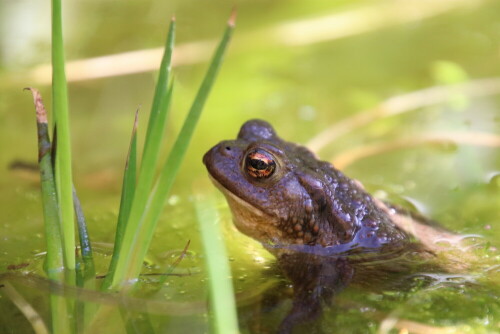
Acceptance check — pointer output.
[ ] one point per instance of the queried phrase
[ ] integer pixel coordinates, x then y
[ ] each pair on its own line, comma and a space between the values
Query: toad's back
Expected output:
280, 193
312, 217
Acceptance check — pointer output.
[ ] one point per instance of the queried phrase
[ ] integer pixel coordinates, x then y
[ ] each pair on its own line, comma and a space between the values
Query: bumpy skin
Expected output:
305, 201
307, 213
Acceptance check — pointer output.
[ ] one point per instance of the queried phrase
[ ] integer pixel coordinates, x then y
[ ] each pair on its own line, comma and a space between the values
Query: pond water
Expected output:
302, 66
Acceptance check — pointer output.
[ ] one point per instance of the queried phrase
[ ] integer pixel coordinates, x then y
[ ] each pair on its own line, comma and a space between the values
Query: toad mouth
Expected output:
235, 197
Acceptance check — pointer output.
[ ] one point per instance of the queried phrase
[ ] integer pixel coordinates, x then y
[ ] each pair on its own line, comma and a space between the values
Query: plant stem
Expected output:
154, 138
223, 315
129, 265
128, 190
63, 155
54, 261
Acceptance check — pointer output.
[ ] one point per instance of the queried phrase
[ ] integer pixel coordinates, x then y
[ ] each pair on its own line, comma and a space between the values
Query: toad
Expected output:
308, 214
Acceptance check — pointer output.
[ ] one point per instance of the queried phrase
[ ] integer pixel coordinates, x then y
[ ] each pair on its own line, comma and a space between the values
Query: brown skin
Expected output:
307, 213
298, 199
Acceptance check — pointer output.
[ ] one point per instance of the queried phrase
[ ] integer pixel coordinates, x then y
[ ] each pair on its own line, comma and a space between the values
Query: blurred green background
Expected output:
301, 65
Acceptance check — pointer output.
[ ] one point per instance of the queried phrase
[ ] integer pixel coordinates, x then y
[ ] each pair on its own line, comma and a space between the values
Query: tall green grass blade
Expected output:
128, 190
129, 266
54, 260
160, 97
223, 317
155, 131
63, 156
148, 169
154, 138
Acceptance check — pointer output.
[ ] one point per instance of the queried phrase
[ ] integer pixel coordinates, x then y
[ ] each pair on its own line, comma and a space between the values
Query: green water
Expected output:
300, 82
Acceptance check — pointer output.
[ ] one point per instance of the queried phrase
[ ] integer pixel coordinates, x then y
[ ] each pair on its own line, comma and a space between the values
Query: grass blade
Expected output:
128, 190
85, 246
129, 266
138, 206
155, 131
223, 318
63, 157
54, 260
160, 97
85, 268
154, 138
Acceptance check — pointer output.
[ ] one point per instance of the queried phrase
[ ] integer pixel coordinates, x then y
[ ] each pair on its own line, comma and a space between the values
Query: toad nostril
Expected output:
226, 150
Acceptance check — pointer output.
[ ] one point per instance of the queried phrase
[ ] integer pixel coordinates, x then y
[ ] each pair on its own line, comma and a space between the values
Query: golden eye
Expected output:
259, 164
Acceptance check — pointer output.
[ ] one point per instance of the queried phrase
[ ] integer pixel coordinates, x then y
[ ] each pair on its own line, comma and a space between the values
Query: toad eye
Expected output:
259, 164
